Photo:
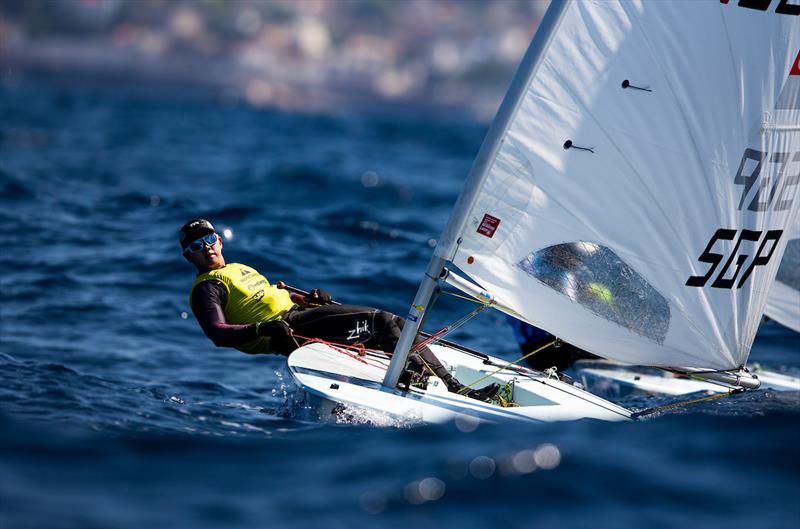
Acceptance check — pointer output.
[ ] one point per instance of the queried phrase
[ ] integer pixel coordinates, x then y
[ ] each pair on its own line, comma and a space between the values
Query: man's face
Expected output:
210, 256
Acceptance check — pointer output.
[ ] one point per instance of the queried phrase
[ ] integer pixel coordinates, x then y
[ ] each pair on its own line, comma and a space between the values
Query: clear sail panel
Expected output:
595, 278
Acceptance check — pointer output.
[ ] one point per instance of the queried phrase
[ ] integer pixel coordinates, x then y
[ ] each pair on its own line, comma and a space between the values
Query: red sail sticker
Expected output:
488, 225
796, 67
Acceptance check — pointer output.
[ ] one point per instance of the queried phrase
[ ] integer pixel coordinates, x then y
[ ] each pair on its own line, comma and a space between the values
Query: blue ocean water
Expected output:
115, 411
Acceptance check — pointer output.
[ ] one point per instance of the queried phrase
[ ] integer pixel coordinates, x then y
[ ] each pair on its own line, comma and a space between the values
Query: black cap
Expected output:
193, 230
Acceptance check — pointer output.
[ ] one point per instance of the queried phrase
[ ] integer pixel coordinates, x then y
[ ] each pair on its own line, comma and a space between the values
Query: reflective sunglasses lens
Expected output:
195, 247
210, 239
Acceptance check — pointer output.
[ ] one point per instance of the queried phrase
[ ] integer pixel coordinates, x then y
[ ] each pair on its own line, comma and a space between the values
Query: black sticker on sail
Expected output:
596, 278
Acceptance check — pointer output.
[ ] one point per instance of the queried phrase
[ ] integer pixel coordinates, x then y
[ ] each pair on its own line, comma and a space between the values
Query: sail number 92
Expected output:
726, 278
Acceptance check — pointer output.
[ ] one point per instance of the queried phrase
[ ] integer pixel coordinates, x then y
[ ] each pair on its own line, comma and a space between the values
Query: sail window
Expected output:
789, 272
596, 278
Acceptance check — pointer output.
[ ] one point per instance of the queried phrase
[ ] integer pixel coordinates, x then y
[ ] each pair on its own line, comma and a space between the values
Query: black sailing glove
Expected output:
273, 329
318, 297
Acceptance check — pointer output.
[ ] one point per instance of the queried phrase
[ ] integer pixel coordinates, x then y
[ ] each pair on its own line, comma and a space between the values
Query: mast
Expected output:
494, 138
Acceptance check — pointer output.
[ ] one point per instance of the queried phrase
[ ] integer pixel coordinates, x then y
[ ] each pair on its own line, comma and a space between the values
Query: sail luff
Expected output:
448, 242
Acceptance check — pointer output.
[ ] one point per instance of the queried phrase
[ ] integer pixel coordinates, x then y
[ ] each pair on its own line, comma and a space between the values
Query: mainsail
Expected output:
632, 193
783, 304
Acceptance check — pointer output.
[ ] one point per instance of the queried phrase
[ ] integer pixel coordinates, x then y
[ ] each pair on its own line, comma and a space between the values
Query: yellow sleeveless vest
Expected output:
251, 299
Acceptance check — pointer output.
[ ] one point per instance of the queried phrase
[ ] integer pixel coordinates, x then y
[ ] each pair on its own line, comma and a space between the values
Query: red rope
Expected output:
360, 350
433, 337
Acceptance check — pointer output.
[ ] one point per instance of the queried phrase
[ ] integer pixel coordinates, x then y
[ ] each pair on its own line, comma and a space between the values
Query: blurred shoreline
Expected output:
315, 56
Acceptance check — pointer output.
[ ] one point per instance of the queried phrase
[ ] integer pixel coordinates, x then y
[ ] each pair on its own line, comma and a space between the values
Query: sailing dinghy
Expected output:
630, 196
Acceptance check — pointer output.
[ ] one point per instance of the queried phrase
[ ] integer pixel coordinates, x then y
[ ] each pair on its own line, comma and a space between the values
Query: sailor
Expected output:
238, 307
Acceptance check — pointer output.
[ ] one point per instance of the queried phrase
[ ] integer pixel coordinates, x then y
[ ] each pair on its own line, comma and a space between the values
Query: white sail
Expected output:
635, 199
783, 304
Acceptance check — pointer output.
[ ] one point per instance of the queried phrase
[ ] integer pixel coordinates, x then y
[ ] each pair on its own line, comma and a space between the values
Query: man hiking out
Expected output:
237, 307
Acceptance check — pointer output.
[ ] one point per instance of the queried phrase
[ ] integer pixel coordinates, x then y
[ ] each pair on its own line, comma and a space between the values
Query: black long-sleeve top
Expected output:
208, 305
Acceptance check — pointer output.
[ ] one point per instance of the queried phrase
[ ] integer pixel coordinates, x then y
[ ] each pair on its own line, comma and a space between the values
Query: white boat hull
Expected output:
339, 380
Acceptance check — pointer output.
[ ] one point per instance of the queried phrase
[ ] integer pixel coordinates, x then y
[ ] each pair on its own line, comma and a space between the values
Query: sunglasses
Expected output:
198, 245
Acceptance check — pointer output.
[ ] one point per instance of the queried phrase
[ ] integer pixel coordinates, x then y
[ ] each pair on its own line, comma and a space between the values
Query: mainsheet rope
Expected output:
518, 360
656, 409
